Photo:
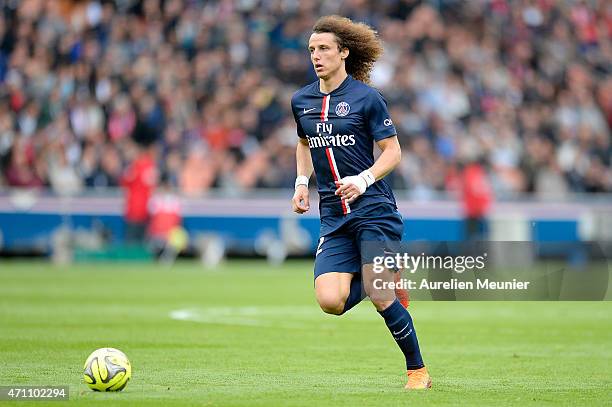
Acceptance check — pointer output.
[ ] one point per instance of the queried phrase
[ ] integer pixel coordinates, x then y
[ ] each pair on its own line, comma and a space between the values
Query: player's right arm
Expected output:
305, 168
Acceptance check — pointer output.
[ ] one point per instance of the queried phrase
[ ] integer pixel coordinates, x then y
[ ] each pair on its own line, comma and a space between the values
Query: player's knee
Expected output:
331, 305
381, 304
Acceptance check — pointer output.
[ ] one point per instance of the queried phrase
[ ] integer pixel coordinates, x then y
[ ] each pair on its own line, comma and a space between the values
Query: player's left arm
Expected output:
389, 158
350, 188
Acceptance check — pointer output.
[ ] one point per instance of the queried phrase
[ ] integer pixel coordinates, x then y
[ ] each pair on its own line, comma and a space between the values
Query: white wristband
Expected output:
368, 176
301, 180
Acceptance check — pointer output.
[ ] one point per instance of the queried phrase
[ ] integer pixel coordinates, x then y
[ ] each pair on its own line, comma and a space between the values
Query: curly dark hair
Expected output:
361, 40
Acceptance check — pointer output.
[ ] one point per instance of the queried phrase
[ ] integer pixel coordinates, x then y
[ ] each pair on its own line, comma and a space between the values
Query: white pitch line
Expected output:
270, 316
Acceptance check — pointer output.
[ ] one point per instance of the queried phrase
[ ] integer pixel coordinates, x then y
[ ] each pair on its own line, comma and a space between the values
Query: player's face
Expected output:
325, 54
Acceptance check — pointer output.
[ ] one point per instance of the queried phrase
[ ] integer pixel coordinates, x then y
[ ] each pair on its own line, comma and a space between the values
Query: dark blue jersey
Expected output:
341, 128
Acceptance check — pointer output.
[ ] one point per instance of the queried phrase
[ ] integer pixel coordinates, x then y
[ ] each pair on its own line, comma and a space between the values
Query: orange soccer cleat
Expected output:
418, 379
401, 293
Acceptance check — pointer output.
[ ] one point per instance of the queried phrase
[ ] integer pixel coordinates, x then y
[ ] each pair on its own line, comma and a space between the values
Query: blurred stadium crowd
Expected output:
524, 87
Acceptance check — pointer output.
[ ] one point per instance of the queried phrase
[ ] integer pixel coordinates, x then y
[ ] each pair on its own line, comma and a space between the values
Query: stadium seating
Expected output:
523, 87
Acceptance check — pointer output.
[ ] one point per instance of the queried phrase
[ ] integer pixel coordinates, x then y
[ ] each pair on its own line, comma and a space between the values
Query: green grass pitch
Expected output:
247, 334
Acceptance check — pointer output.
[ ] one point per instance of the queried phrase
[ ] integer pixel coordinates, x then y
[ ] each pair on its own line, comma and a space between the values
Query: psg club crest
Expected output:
342, 109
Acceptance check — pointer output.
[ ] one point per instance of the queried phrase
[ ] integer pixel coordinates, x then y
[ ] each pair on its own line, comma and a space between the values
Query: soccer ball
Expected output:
107, 369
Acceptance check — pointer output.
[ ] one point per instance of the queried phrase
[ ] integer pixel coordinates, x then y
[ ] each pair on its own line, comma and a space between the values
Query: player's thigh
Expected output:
336, 261
379, 236
332, 290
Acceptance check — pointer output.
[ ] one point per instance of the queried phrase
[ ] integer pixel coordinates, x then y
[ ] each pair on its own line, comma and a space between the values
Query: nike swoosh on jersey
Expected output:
309, 110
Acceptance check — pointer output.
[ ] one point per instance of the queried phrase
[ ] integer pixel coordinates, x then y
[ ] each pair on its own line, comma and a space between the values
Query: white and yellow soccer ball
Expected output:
107, 369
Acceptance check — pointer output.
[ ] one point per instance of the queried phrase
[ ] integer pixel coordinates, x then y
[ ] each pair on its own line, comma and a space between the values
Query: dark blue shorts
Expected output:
341, 250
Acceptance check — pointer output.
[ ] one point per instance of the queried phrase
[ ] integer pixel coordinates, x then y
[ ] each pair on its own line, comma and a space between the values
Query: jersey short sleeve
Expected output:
300, 130
379, 121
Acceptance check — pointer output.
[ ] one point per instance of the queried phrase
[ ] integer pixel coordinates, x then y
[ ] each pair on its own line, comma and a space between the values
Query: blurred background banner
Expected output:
260, 222
166, 124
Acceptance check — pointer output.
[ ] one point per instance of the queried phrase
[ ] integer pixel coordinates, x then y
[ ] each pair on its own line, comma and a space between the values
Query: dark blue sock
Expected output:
356, 294
399, 322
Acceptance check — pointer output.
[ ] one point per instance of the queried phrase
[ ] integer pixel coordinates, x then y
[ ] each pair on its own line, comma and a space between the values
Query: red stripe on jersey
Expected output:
325, 108
335, 174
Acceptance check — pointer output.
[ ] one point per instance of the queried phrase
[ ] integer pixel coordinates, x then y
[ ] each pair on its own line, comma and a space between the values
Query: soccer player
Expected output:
339, 117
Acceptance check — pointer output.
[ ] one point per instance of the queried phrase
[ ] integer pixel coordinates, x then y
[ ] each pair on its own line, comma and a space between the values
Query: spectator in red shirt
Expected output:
139, 181
22, 171
476, 198
165, 210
